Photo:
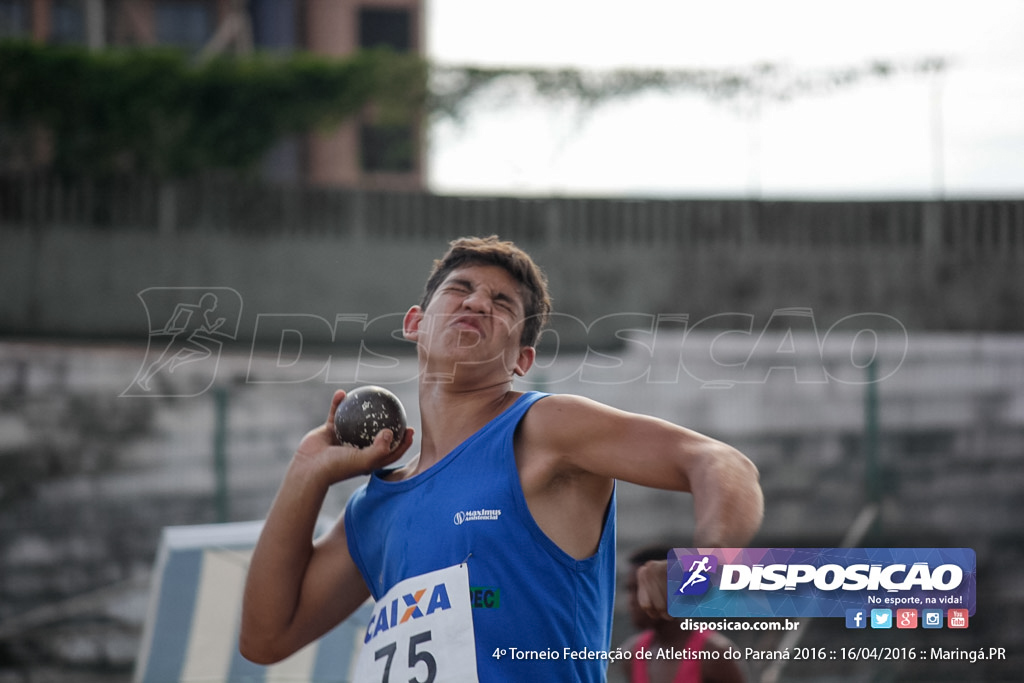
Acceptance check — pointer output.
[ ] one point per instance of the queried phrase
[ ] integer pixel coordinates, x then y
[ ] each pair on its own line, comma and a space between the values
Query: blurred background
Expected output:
796, 227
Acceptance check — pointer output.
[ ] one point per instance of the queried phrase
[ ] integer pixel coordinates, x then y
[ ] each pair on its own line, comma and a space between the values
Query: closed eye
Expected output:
505, 303
458, 286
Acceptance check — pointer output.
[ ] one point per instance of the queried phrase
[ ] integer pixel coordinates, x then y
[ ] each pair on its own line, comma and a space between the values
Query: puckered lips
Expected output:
468, 322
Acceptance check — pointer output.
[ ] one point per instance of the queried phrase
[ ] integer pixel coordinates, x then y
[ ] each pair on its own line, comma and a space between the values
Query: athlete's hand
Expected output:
320, 447
652, 588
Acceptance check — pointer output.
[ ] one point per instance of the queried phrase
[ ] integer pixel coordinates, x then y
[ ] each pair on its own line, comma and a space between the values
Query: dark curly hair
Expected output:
492, 251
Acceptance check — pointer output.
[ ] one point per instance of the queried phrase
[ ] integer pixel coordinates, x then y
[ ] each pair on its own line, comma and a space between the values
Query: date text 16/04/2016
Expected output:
796, 653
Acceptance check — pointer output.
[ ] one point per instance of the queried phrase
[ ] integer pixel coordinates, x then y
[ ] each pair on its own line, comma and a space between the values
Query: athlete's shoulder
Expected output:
564, 420
561, 403
562, 407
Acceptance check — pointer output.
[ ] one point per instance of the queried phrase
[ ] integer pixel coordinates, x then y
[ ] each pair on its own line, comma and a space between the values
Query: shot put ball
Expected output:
364, 412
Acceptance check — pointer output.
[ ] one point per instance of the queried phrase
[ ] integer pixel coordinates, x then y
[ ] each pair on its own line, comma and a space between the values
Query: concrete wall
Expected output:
85, 282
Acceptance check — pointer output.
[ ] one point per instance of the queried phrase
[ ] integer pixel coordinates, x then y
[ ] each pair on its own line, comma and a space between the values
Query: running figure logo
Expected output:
696, 581
188, 326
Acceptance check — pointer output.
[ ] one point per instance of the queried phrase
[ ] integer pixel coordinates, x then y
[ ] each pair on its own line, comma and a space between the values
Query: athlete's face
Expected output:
476, 315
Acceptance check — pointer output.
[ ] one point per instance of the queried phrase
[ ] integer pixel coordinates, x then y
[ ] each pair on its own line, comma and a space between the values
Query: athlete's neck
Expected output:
451, 413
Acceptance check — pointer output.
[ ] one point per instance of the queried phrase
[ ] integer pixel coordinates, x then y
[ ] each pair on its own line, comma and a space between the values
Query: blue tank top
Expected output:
526, 592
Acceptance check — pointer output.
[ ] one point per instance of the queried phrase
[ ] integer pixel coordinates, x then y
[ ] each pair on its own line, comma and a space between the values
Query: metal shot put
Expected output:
365, 412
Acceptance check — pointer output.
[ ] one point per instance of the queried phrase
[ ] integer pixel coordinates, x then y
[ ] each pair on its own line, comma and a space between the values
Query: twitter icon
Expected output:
881, 618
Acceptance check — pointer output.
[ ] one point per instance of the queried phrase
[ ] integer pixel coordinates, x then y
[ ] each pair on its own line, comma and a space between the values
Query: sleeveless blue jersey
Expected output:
527, 593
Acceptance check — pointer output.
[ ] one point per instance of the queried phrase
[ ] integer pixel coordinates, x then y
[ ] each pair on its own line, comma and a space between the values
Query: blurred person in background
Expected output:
677, 655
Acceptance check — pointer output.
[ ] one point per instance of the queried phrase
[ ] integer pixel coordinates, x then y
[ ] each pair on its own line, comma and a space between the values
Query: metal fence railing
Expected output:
218, 205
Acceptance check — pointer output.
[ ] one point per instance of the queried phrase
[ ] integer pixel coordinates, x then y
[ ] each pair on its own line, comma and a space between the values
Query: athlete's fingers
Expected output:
380, 453
336, 400
406, 442
323, 435
652, 588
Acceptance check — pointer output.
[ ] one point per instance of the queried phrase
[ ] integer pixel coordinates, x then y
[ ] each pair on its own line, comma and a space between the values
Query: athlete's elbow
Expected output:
750, 473
748, 499
254, 652
745, 479
260, 649
729, 497
738, 470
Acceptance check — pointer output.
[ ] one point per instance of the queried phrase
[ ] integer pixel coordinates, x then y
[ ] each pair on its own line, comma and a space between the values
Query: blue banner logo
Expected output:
819, 582
696, 580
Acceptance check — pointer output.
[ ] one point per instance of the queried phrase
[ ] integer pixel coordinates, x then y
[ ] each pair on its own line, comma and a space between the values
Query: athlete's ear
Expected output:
527, 355
411, 323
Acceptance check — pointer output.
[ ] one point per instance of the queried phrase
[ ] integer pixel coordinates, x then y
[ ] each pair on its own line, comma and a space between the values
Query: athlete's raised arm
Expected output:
298, 589
579, 446
590, 437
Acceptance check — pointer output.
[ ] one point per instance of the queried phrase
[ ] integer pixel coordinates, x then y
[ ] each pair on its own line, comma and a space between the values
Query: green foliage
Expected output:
153, 110
454, 88
156, 111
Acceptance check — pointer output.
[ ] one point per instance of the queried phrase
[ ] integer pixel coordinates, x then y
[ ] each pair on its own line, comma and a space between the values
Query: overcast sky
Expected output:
960, 134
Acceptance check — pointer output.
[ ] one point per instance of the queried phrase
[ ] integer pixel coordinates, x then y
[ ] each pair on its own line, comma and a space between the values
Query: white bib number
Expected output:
421, 631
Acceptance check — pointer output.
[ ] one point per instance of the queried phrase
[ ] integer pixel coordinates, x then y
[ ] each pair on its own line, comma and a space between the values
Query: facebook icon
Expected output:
856, 618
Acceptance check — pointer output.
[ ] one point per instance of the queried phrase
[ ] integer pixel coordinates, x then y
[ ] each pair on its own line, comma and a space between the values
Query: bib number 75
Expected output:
417, 655
421, 631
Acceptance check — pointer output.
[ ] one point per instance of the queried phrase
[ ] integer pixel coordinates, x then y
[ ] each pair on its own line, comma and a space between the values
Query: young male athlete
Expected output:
658, 634
490, 554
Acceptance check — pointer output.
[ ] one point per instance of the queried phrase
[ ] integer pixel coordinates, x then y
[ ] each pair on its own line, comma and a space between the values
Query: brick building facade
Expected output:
359, 153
